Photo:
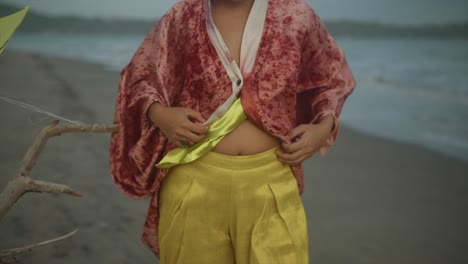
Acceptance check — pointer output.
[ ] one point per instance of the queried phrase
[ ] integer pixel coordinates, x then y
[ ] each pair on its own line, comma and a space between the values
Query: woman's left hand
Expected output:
310, 138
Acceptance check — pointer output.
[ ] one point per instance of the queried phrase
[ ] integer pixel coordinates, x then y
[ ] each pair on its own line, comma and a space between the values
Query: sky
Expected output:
386, 11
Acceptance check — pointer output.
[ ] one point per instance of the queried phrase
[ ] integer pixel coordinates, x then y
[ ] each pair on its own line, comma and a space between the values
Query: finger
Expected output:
294, 162
301, 158
196, 128
185, 143
297, 161
297, 131
178, 143
197, 116
192, 137
179, 140
289, 156
286, 162
293, 147
290, 162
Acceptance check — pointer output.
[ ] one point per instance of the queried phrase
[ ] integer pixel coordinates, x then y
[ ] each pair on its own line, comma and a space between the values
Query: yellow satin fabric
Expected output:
232, 209
230, 120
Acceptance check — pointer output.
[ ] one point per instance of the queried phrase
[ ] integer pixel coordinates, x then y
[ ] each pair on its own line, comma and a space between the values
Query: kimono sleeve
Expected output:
149, 77
325, 78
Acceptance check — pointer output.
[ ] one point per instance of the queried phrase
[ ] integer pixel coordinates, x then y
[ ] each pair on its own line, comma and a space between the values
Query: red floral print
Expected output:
299, 76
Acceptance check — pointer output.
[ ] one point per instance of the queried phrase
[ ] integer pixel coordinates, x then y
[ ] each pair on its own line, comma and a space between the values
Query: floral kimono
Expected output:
292, 72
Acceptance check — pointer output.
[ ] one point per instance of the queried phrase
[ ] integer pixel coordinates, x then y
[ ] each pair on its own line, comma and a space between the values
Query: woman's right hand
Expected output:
182, 126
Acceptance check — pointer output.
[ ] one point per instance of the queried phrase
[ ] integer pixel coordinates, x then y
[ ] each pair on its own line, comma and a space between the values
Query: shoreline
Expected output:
368, 200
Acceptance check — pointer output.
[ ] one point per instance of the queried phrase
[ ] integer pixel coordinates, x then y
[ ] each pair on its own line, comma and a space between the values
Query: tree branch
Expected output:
21, 183
16, 251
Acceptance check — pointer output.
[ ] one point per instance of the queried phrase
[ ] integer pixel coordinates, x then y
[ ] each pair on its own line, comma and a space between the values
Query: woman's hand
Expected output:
310, 137
182, 126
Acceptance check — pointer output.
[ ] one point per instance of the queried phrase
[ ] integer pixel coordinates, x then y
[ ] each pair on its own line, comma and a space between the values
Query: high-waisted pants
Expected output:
223, 209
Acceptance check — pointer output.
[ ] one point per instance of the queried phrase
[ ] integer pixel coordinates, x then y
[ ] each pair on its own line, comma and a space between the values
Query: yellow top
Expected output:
230, 120
9, 24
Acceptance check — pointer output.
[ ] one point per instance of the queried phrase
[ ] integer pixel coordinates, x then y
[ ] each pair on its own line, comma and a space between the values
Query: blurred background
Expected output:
394, 188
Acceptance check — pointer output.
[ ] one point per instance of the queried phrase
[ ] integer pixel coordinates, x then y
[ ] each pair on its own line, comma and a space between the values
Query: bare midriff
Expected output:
246, 139
230, 18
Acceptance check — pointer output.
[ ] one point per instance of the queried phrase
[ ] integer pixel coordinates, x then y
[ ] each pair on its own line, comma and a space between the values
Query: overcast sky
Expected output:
391, 11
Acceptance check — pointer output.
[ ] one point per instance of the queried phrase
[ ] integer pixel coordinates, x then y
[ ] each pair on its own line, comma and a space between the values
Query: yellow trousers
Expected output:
222, 209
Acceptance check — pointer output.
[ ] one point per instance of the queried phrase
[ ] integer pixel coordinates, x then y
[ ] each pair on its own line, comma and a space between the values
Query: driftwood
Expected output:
21, 183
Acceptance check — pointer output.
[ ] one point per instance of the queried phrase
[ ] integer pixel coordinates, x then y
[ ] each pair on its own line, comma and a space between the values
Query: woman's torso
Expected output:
247, 138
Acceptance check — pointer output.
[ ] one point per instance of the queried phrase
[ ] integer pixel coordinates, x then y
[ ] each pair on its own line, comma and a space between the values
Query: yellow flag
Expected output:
9, 24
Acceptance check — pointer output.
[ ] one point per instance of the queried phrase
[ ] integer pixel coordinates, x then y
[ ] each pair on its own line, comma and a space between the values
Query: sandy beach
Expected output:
369, 200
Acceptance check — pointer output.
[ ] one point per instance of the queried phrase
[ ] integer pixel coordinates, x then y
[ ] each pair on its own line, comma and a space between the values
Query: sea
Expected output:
408, 89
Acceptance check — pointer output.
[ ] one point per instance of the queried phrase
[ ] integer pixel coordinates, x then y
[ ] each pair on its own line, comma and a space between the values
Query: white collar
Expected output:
253, 32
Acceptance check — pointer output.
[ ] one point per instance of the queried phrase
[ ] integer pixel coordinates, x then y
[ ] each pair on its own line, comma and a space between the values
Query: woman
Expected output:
217, 109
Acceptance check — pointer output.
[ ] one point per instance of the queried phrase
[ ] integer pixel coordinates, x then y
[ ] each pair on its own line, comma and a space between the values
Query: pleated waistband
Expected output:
240, 162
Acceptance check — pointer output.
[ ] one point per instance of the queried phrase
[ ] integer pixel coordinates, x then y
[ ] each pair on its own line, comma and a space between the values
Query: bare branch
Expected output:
54, 129
16, 251
49, 187
15, 188
22, 183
